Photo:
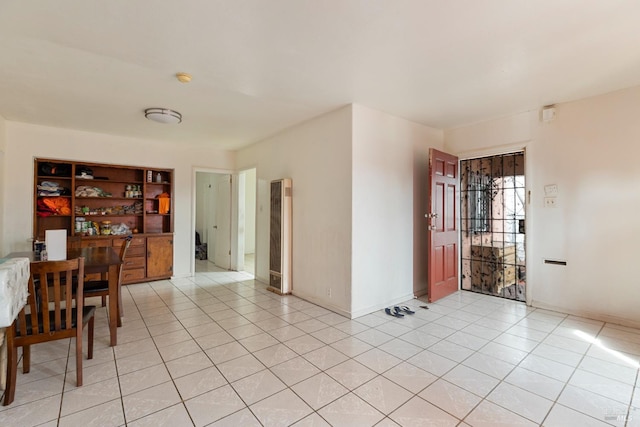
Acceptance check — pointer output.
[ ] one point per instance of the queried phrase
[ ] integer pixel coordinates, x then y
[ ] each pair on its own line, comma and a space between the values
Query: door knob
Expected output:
432, 228
431, 215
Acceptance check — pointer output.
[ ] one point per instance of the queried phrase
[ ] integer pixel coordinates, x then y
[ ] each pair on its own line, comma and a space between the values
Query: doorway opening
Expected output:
225, 221
492, 214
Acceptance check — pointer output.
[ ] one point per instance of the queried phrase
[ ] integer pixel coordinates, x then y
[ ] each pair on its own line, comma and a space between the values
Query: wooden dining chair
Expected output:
95, 288
49, 315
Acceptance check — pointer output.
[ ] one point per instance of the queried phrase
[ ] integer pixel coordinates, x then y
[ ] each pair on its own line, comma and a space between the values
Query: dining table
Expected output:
102, 260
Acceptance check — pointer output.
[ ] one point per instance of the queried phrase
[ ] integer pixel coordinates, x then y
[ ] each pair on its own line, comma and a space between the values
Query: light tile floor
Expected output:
218, 349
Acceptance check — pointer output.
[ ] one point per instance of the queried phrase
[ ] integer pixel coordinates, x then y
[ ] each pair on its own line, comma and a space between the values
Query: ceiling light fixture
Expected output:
163, 115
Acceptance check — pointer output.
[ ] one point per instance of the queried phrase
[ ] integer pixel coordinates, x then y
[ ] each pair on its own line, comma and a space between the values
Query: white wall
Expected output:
390, 157
24, 142
359, 188
3, 179
316, 155
202, 198
250, 211
590, 152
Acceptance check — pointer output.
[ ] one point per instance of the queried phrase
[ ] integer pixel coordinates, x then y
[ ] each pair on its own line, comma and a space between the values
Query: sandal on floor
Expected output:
405, 309
391, 313
424, 306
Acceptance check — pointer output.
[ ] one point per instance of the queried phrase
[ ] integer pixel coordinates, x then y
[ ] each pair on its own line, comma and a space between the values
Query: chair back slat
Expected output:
68, 302
45, 282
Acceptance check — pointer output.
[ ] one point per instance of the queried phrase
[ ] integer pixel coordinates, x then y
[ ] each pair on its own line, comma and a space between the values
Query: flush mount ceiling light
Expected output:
163, 115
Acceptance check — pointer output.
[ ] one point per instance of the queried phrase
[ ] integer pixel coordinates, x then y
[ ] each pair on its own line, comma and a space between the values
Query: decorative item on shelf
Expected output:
105, 228
164, 203
149, 176
158, 178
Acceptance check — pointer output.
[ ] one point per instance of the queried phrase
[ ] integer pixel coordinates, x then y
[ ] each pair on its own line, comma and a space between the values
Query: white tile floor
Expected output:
220, 350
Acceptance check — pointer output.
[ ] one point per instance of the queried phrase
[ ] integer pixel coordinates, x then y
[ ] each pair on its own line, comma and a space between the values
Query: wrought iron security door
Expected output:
492, 209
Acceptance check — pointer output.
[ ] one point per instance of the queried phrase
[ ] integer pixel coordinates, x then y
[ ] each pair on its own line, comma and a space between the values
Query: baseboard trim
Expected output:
587, 314
368, 310
322, 303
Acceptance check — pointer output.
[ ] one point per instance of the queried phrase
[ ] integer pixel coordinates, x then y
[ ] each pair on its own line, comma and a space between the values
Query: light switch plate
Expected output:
551, 189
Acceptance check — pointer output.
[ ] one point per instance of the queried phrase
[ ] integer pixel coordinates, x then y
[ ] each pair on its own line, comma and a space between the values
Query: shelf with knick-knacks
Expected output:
125, 195
157, 200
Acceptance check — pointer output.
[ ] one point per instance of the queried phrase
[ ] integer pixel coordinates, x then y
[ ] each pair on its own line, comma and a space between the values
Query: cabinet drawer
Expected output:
97, 243
135, 251
134, 262
129, 276
136, 241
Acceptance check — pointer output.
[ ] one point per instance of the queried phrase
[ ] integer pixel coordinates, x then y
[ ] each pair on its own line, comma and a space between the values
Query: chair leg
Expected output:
104, 301
26, 359
12, 372
79, 355
120, 309
90, 339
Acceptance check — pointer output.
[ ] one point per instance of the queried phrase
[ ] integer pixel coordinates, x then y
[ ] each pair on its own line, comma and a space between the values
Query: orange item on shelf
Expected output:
164, 203
59, 205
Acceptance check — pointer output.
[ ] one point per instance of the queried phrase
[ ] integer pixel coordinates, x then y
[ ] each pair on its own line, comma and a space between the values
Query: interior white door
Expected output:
222, 227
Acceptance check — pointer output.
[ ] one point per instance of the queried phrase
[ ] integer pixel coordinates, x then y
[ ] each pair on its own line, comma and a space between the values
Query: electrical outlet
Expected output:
550, 202
329, 292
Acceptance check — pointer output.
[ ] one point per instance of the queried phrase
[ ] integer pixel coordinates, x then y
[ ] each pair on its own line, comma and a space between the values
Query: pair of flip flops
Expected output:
397, 311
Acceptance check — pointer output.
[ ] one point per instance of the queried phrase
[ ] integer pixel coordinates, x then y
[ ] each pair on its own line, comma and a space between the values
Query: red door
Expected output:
442, 225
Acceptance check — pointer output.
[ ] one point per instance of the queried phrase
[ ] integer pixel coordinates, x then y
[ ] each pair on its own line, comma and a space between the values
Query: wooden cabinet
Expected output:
159, 250
88, 198
493, 267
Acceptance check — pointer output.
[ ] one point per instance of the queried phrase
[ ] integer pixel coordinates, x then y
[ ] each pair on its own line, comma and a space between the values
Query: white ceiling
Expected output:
260, 66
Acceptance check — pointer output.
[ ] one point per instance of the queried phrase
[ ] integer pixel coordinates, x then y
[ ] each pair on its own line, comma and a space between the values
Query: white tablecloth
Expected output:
14, 277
